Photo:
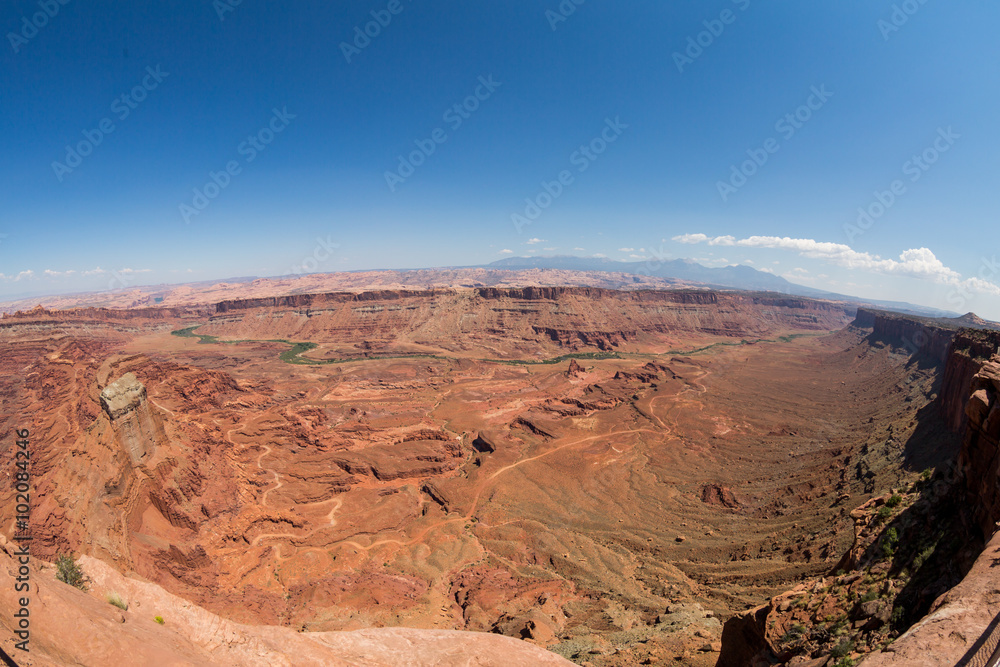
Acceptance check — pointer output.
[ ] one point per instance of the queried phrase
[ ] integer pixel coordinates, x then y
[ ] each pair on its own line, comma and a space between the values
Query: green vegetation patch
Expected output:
68, 572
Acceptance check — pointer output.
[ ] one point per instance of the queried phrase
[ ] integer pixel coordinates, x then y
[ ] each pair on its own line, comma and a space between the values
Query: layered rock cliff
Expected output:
41, 315
979, 460
137, 427
971, 349
519, 321
925, 336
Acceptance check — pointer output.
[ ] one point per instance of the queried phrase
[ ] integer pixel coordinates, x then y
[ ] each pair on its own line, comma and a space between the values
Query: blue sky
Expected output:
644, 124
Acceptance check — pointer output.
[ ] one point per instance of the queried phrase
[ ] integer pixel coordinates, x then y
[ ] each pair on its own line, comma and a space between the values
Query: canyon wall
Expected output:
979, 460
963, 352
523, 320
320, 300
917, 334
960, 589
20, 318
972, 348
962, 624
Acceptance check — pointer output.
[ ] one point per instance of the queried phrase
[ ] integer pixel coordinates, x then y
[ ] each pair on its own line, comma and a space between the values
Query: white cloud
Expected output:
534, 241
550, 249
599, 254
50, 273
798, 277
690, 238
702, 238
626, 249
579, 249
24, 275
506, 251
919, 263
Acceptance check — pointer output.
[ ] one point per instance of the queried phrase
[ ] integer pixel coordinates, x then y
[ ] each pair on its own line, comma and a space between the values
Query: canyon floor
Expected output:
613, 504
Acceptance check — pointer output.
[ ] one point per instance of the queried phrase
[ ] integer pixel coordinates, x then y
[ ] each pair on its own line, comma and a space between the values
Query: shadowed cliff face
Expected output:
919, 336
972, 348
957, 623
979, 460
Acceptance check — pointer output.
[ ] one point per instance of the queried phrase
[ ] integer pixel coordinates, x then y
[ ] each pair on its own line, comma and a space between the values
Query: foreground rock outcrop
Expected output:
72, 627
951, 632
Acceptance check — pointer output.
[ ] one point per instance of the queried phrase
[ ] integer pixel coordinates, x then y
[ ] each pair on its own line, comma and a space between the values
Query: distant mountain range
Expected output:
616, 274
739, 277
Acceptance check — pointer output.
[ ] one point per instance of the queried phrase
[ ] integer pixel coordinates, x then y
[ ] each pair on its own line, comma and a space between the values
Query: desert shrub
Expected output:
68, 572
894, 500
158, 619
890, 541
116, 600
922, 557
795, 632
883, 513
842, 650
870, 594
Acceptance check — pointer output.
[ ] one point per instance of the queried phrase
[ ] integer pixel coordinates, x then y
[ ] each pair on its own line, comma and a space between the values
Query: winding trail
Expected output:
167, 410
331, 518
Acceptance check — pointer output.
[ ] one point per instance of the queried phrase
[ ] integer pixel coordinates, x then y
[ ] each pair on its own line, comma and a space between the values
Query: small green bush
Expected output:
795, 632
116, 600
894, 500
843, 649
890, 541
68, 572
158, 619
883, 513
922, 557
